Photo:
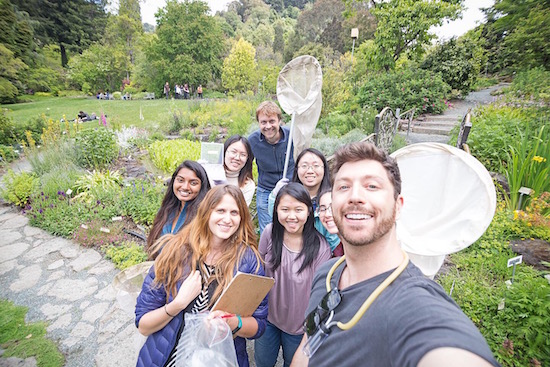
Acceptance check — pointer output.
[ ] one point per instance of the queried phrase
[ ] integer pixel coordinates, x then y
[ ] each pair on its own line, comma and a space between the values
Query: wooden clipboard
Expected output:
244, 294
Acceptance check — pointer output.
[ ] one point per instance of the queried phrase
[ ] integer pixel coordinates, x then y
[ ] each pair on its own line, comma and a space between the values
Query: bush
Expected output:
97, 233
19, 187
422, 89
7, 154
495, 127
7, 129
90, 186
516, 334
125, 255
168, 154
533, 83
328, 145
456, 62
51, 157
96, 148
141, 201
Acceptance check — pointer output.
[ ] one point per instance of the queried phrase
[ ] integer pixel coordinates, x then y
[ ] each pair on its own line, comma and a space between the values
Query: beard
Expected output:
382, 226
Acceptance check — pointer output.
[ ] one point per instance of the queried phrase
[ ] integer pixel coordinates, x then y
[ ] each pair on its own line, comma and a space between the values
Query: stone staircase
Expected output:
434, 124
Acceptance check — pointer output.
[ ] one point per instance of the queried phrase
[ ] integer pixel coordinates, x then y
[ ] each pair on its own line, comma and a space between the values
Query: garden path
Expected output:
436, 128
69, 287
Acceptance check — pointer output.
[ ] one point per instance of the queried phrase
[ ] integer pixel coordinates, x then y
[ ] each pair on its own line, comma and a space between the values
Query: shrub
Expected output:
168, 154
7, 154
59, 178
495, 127
328, 145
97, 233
53, 157
7, 129
422, 89
528, 165
533, 83
457, 63
125, 255
19, 187
141, 201
96, 148
89, 186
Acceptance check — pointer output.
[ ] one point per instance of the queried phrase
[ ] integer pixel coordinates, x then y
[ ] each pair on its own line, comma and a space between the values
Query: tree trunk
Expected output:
64, 60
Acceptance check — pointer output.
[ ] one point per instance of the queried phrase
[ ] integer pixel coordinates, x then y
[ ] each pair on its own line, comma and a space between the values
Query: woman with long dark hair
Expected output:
188, 186
190, 273
237, 163
293, 250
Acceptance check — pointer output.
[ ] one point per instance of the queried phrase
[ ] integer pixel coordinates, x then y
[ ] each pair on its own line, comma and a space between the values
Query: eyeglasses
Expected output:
315, 166
324, 209
235, 154
328, 303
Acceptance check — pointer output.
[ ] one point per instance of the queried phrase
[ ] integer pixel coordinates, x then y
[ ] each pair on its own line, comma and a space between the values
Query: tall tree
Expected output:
403, 25
238, 68
72, 24
188, 47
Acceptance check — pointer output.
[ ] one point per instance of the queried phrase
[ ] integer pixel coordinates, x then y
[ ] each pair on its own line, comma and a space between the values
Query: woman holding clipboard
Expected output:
192, 270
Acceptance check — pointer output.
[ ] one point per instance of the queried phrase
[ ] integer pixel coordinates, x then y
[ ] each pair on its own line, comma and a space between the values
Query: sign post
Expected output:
513, 262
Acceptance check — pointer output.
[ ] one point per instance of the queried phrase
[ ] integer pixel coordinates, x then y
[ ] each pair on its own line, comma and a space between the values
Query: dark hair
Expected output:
246, 171
358, 151
170, 202
310, 236
325, 182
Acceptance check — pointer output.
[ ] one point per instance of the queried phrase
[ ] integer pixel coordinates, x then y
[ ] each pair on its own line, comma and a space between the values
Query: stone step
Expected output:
437, 130
455, 118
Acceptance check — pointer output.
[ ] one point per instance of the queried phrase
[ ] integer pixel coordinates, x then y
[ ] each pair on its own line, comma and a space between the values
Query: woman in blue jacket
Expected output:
187, 188
192, 270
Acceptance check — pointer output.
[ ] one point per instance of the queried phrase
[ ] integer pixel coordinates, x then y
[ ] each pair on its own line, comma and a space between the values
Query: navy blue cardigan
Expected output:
160, 344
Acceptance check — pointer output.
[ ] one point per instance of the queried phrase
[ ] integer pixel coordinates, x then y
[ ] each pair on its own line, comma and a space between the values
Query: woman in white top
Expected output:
237, 163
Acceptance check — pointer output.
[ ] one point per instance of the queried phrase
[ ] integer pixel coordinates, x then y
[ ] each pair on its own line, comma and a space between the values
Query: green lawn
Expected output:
118, 112
23, 340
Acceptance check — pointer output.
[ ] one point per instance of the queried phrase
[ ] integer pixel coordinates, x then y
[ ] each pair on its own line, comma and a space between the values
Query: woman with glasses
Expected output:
191, 272
311, 170
292, 250
324, 212
188, 186
237, 163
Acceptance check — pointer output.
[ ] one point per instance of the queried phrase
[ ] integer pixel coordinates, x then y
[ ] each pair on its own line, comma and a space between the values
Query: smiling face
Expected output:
292, 214
186, 185
311, 171
363, 202
224, 219
270, 127
235, 157
325, 213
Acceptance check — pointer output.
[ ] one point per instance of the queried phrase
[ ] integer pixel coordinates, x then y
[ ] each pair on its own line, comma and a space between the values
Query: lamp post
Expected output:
354, 36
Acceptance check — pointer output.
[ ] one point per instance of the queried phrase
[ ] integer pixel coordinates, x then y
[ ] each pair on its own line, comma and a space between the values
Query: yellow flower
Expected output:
539, 159
516, 214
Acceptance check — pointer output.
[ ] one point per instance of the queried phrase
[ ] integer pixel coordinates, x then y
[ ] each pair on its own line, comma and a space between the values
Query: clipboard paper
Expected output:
244, 294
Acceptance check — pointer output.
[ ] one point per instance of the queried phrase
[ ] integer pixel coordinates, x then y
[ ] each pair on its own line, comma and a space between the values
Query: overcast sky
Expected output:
471, 17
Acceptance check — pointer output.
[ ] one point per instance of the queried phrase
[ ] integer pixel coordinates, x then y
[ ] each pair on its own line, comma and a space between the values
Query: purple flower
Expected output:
40, 211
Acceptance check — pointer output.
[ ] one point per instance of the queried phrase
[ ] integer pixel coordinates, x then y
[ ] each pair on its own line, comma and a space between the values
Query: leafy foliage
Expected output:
517, 334
141, 201
89, 186
496, 127
96, 148
98, 233
405, 89
19, 187
532, 83
125, 255
239, 68
458, 62
168, 154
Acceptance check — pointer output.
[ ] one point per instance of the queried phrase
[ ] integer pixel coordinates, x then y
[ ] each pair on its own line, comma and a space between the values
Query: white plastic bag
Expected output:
205, 343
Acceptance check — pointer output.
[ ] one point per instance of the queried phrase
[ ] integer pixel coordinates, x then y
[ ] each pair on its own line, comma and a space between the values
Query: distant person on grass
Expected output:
269, 144
188, 186
199, 91
167, 90
372, 307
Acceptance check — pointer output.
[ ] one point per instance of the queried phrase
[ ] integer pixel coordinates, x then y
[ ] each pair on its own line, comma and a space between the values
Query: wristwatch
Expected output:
239, 326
